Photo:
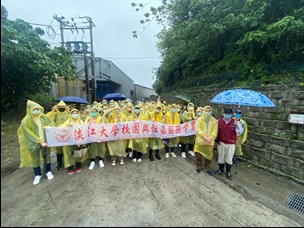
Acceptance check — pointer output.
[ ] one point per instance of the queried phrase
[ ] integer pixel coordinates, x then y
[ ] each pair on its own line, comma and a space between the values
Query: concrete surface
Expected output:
159, 193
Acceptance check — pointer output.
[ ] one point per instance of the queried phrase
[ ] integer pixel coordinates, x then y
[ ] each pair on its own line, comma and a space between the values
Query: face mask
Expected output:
178, 110
36, 112
199, 113
157, 110
185, 107
190, 108
208, 113
99, 109
61, 109
94, 114
87, 110
227, 116
173, 109
75, 116
237, 115
137, 110
105, 103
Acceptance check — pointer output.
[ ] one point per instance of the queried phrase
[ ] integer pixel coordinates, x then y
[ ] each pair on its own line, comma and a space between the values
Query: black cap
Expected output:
228, 111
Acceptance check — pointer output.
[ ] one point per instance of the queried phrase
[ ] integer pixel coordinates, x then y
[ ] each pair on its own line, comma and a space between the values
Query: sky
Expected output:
112, 37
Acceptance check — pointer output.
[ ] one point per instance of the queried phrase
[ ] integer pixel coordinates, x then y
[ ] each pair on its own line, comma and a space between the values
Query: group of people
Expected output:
228, 132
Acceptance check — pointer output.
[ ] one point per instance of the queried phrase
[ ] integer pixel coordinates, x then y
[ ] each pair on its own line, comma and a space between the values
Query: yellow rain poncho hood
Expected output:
30, 133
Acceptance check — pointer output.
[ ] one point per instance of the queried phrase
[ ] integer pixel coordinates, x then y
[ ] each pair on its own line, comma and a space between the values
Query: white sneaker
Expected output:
191, 153
183, 154
113, 162
134, 160
101, 164
49, 175
139, 160
130, 154
121, 162
167, 155
37, 180
92, 164
173, 154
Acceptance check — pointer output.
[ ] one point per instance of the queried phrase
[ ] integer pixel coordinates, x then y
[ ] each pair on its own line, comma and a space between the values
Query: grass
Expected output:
10, 153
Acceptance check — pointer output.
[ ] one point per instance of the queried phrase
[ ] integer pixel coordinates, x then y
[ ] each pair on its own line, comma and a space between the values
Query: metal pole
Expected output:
62, 44
92, 62
86, 77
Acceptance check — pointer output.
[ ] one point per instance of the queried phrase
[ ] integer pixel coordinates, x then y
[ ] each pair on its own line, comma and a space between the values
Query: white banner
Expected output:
78, 135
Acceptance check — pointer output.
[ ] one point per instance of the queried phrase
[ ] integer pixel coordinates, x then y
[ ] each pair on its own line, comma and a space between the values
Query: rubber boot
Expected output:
151, 155
157, 155
221, 169
228, 171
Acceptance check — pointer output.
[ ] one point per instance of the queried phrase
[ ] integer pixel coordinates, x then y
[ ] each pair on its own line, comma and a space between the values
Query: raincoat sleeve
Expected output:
28, 132
199, 130
245, 132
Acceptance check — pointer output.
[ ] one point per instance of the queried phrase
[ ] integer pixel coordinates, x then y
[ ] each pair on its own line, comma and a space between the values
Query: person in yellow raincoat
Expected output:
206, 132
32, 140
241, 138
199, 112
128, 111
171, 117
117, 148
187, 116
96, 150
139, 145
69, 160
155, 144
59, 117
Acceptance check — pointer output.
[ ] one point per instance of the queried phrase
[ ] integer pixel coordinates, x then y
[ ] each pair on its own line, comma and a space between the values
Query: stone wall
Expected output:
272, 141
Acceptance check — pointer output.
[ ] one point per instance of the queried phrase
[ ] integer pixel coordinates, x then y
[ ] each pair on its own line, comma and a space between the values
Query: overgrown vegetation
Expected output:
28, 64
229, 43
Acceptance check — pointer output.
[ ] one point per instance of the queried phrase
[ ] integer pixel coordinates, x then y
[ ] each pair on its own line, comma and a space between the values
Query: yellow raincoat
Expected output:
156, 143
95, 148
172, 118
241, 139
59, 118
116, 147
187, 116
205, 127
67, 150
30, 134
140, 145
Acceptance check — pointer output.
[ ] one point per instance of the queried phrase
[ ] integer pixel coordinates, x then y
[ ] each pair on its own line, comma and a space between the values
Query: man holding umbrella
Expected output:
228, 129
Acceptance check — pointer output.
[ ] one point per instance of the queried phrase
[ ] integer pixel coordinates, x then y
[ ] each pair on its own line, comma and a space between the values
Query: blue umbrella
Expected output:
114, 96
242, 97
73, 100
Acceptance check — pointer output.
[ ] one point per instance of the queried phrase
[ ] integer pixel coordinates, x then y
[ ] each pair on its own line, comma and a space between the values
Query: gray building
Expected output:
108, 79
143, 93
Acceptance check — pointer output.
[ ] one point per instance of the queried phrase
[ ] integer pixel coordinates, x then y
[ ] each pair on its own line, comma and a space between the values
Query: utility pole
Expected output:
87, 88
59, 19
92, 60
80, 47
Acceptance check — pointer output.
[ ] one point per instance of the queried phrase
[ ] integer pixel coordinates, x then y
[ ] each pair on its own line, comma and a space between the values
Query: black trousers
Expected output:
137, 154
191, 146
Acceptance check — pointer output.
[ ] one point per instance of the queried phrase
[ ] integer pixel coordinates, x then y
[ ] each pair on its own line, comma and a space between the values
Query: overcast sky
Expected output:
112, 37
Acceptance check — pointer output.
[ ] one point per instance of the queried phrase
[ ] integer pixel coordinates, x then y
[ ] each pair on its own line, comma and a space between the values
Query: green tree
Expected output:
28, 64
231, 42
